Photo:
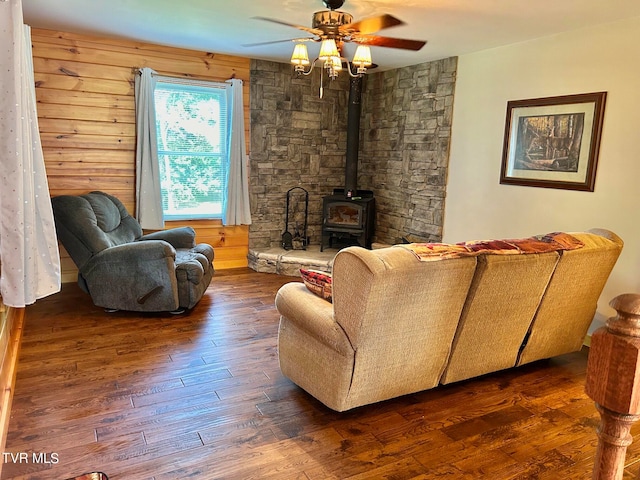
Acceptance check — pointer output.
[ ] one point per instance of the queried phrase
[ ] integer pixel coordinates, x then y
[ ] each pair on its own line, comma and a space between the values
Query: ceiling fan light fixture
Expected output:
334, 62
300, 56
328, 49
333, 66
362, 57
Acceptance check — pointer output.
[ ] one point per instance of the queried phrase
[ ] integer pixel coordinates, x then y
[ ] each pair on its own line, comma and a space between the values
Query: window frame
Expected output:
221, 88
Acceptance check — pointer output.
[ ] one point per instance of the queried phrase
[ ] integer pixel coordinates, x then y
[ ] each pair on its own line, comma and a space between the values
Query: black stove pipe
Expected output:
353, 136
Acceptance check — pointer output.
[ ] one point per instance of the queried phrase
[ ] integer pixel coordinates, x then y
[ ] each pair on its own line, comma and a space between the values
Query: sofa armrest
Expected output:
136, 276
182, 237
313, 315
608, 234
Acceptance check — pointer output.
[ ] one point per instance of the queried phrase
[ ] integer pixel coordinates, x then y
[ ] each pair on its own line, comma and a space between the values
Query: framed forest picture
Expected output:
553, 142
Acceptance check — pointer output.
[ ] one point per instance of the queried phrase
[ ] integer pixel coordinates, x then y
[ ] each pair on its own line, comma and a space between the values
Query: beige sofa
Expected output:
399, 325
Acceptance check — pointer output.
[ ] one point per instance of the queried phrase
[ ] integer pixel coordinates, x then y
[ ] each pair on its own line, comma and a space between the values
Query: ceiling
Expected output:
451, 27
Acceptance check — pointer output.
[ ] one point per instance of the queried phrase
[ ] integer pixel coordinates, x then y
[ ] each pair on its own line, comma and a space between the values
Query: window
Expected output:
191, 121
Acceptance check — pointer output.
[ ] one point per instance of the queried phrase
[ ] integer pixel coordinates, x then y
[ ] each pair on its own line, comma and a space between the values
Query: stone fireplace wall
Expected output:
298, 139
404, 154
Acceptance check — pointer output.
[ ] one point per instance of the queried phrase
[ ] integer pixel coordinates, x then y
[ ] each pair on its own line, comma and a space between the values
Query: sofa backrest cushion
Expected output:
502, 302
570, 302
400, 316
87, 224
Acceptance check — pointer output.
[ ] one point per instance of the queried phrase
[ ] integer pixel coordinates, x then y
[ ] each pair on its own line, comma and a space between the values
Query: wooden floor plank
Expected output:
201, 396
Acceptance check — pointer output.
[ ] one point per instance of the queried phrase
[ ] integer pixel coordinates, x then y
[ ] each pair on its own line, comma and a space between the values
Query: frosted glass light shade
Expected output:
300, 55
334, 62
328, 49
362, 57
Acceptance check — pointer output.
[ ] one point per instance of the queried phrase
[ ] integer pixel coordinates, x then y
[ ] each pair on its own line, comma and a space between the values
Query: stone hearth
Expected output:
289, 262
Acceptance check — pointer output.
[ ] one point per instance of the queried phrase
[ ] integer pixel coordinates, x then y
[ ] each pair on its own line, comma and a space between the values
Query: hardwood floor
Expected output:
201, 396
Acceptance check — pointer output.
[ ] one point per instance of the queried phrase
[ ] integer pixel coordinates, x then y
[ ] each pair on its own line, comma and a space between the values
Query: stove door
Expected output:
344, 215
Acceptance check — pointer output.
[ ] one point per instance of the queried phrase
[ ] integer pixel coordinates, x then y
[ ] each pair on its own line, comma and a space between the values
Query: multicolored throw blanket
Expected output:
551, 242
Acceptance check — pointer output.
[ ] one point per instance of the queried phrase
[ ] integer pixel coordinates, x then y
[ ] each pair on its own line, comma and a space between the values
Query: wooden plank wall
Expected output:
86, 114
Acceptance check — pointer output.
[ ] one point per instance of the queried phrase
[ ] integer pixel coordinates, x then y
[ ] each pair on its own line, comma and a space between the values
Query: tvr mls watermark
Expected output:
33, 457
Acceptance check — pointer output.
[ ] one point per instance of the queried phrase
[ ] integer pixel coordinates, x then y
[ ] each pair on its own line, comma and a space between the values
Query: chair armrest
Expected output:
135, 253
313, 315
137, 276
182, 237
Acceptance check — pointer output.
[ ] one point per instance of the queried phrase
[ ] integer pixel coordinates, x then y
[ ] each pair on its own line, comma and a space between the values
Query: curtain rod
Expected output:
138, 70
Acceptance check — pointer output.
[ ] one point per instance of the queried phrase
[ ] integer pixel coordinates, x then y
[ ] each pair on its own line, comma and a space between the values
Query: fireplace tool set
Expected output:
297, 240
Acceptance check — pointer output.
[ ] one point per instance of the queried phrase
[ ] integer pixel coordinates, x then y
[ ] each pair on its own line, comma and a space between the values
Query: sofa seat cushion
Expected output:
318, 282
550, 242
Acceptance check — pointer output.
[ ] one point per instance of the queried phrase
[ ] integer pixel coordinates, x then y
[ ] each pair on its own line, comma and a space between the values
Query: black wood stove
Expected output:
348, 220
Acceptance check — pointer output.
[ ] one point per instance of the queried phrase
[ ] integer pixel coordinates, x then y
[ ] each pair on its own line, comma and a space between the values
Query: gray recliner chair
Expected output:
121, 268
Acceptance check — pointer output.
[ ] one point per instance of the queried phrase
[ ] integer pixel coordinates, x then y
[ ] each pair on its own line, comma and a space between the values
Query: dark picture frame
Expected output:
553, 142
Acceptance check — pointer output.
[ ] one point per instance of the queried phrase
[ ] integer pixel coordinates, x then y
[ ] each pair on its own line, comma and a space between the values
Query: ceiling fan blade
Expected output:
258, 44
313, 31
372, 24
378, 41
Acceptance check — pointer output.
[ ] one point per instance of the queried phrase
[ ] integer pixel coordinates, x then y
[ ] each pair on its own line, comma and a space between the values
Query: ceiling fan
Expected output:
341, 27
334, 28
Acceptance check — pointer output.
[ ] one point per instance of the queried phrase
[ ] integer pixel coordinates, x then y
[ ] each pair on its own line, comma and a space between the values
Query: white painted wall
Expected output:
604, 58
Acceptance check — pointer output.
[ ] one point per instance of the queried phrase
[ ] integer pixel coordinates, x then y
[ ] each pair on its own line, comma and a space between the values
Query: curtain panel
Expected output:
236, 210
29, 256
148, 192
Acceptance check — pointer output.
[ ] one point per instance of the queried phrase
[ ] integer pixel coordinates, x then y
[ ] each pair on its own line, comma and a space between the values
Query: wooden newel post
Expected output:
613, 382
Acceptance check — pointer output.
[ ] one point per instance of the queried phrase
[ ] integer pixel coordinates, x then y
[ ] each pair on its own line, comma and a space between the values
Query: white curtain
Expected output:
29, 257
236, 210
148, 193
